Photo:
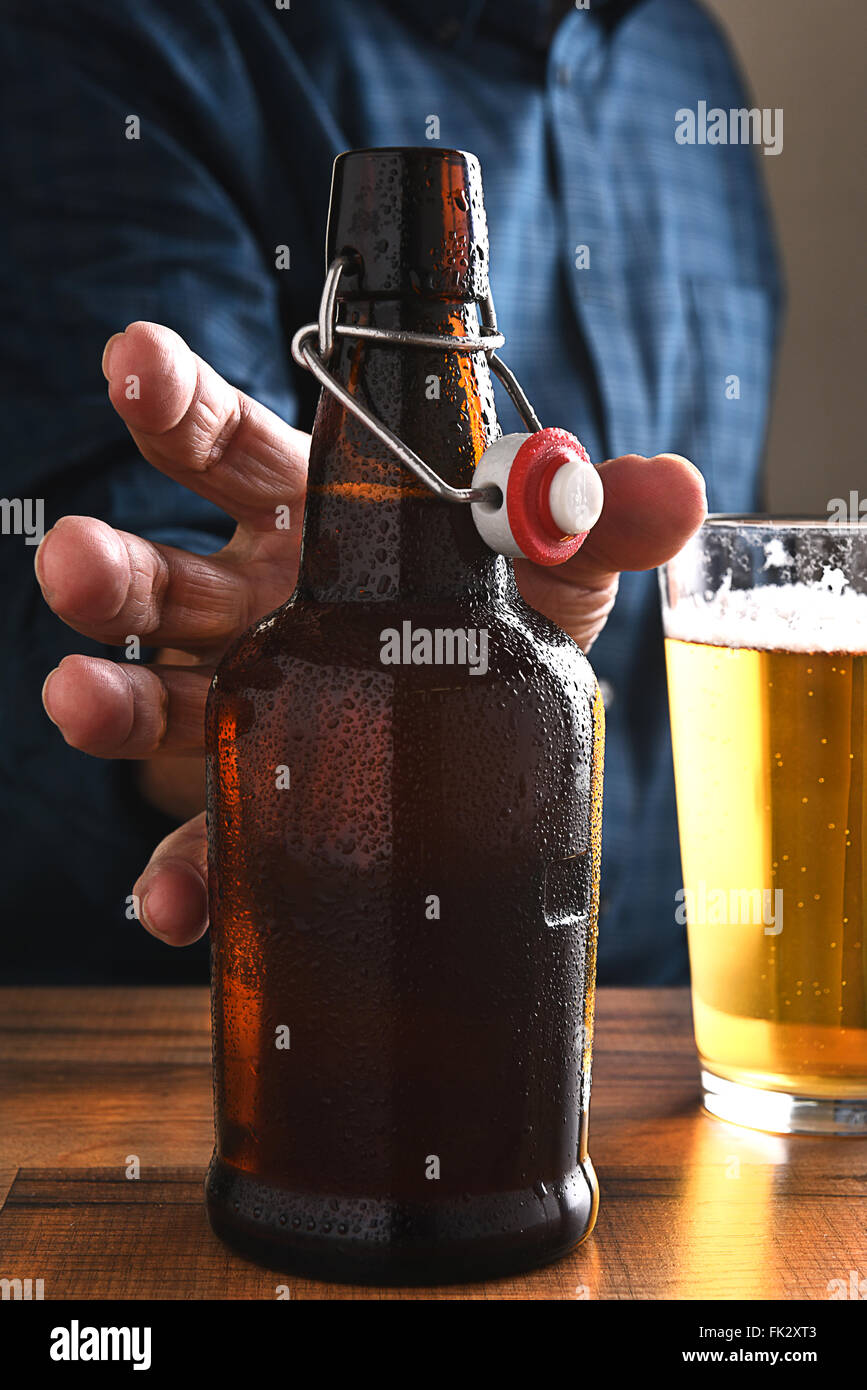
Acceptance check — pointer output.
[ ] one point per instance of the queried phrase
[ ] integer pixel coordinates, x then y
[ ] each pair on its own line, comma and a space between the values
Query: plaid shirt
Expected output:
243, 106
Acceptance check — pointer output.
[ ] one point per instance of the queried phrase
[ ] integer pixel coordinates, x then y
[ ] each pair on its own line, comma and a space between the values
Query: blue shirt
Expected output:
242, 106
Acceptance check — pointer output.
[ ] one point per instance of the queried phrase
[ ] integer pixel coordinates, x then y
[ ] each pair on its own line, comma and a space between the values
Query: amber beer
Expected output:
767, 697
404, 847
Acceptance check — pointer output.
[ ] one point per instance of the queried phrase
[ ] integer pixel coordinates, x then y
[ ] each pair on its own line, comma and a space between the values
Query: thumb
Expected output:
651, 508
172, 892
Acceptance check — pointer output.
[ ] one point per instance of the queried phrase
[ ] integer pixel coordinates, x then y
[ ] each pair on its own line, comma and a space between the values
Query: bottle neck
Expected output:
372, 530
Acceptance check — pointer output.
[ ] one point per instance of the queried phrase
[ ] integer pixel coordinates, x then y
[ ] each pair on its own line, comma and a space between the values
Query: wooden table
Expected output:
691, 1207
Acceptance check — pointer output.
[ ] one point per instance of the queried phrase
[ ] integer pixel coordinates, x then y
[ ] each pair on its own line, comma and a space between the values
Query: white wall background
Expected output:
810, 58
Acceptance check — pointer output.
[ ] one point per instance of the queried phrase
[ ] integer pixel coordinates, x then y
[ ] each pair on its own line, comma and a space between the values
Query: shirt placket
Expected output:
596, 283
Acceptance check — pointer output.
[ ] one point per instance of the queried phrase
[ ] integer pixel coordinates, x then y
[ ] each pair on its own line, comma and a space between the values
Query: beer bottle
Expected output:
404, 805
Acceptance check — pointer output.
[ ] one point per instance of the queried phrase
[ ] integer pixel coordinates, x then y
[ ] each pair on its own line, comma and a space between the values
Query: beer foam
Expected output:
824, 617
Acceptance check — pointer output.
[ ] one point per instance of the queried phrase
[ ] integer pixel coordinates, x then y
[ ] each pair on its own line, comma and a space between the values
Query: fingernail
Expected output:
146, 919
141, 895
37, 560
108, 353
45, 695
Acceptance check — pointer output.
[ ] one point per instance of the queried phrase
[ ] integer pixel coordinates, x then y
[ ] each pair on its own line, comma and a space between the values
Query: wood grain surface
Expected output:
691, 1207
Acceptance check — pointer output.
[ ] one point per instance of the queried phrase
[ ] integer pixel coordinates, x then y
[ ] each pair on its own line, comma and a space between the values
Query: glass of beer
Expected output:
765, 624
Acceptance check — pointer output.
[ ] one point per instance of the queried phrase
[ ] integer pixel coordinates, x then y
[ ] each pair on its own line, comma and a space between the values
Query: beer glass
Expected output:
765, 623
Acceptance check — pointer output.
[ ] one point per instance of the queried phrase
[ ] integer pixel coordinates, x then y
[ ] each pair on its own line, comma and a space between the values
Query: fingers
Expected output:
175, 786
111, 585
172, 892
652, 507
192, 425
579, 609
128, 711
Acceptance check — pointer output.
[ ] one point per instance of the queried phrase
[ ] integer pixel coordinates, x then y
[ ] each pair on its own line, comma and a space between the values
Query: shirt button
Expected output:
563, 75
606, 690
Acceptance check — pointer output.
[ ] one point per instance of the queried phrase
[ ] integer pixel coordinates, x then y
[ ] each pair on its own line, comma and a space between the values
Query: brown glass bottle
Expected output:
403, 937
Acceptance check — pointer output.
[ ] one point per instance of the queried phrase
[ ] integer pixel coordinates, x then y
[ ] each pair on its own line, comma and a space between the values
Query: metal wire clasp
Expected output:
327, 328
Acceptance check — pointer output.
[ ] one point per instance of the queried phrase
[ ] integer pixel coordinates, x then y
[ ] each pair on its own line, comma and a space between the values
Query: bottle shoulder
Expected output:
382, 634
459, 657
488, 717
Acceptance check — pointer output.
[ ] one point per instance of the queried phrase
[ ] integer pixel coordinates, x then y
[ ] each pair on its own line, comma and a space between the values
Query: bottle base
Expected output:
359, 1240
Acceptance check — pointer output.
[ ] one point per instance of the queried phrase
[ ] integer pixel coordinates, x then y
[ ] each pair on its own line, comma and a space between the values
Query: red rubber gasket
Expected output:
528, 496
